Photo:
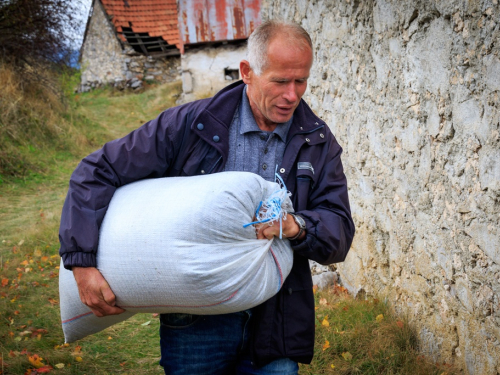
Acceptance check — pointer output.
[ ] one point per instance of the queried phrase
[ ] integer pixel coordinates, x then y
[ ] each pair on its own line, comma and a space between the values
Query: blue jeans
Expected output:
212, 345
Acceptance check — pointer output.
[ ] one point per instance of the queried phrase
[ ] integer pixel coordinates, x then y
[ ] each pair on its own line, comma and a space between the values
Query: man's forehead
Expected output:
287, 77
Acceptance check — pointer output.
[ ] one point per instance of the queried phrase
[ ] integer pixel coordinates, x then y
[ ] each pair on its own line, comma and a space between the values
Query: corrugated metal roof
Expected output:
157, 18
217, 20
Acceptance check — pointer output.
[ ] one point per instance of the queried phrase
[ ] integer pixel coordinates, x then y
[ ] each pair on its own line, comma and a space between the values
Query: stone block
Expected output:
492, 76
489, 169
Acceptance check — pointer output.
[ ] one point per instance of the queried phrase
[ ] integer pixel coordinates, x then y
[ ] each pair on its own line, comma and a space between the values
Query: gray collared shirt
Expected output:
252, 149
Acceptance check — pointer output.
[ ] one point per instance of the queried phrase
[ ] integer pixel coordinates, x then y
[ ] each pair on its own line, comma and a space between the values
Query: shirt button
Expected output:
263, 137
216, 138
282, 170
266, 151
200, 126
264, 166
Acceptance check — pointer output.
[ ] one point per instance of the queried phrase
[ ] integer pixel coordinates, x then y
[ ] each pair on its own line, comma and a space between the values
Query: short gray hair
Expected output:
261, 37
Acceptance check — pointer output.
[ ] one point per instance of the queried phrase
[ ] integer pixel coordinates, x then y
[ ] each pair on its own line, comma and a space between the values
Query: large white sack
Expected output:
178, 245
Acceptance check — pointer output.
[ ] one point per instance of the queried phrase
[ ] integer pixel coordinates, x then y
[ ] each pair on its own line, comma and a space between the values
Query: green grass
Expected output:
30, 206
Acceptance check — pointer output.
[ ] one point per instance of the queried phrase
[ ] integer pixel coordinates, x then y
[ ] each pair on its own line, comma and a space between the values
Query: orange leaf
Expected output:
323, 302
5, 282
326, 345
325, 322
12, 354
24, 263
44, 370
400, 324
36, 360
53, 301
44, 258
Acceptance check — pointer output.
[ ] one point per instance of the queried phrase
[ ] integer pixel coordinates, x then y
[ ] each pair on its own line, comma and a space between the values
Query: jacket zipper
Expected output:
213, 167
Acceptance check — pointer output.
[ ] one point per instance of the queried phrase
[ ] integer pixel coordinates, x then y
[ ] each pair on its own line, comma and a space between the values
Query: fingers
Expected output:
289, 229
95, 292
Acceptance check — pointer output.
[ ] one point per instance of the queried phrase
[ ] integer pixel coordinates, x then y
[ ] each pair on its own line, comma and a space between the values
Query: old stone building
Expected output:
126, 43
129, 42
411, 91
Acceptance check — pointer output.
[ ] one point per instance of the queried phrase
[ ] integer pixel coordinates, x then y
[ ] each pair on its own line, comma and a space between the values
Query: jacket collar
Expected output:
218, 115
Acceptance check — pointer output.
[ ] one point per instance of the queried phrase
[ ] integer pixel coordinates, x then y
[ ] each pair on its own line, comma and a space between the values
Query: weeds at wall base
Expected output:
362, 336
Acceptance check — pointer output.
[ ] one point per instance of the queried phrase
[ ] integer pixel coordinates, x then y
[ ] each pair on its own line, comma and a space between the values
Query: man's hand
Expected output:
95, 291
289, 229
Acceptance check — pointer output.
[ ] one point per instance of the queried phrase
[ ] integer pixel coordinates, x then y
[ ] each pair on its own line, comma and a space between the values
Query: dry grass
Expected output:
34, 122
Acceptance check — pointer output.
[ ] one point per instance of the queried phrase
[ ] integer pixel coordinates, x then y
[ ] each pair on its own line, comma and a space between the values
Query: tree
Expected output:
32, 30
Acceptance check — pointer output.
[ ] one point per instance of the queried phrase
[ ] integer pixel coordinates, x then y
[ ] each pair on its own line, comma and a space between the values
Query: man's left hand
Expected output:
289, 229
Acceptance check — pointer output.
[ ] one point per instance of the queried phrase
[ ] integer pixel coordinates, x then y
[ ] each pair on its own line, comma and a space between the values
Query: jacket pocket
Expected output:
305, 181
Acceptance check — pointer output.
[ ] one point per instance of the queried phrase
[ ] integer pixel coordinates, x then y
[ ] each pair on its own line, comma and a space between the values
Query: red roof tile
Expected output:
155, 17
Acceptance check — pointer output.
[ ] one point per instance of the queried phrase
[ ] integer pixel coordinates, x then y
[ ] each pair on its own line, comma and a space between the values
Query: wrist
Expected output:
299, 220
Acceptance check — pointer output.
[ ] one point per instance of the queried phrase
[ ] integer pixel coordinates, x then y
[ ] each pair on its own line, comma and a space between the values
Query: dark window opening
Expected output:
148, 45
231, 74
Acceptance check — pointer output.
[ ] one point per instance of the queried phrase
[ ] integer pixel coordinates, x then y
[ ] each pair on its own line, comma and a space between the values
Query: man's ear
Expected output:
245, 71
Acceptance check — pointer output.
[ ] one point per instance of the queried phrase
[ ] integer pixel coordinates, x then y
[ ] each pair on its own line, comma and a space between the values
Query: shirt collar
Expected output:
248, 123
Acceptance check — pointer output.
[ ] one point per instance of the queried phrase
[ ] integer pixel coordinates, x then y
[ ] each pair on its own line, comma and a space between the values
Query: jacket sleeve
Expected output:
145, 153
329, 225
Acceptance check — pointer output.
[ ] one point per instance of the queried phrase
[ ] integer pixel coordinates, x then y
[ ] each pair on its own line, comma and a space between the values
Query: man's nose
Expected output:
290, 93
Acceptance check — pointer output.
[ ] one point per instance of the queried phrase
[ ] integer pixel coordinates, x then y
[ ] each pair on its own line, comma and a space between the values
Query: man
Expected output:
254, 126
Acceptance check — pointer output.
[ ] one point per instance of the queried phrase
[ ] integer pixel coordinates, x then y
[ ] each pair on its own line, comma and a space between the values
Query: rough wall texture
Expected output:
204, 69
105, 62
411, 90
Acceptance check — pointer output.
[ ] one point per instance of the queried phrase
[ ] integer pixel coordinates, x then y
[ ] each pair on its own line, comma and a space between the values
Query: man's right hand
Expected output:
95, 291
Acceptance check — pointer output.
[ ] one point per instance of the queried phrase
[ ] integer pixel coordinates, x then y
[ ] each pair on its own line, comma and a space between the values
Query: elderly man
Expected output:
259, 125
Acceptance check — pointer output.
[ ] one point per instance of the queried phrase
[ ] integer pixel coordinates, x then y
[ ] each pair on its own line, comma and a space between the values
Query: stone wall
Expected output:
204, 69
105, 62
411, 90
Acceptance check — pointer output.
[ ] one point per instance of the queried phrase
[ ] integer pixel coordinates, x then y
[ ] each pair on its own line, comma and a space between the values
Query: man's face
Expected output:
276, 93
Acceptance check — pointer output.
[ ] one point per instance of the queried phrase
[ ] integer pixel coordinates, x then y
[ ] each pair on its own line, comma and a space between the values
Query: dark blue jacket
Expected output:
193, 139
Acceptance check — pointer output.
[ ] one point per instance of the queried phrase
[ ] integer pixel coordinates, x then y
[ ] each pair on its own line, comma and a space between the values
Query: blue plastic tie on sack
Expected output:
271, 210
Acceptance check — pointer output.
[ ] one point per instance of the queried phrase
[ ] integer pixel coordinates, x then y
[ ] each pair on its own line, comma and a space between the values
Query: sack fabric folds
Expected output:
179, 244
